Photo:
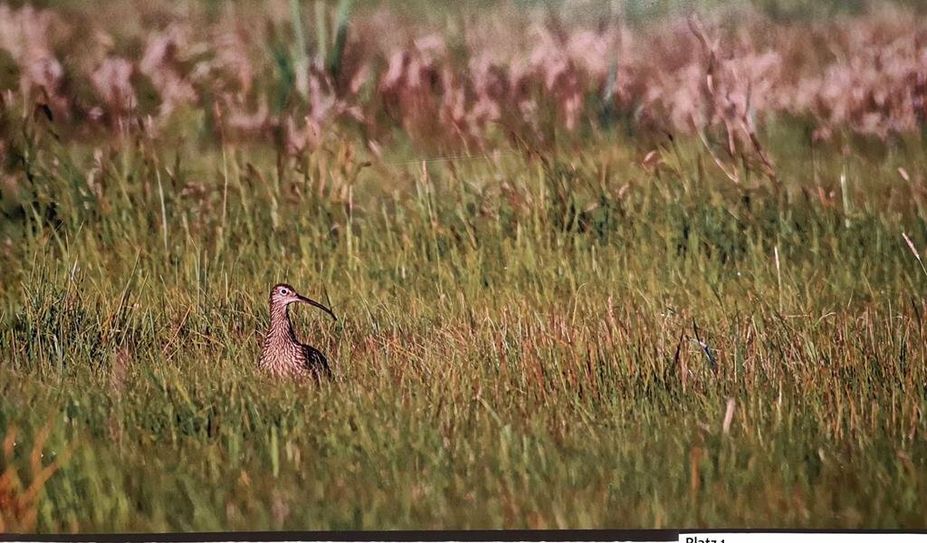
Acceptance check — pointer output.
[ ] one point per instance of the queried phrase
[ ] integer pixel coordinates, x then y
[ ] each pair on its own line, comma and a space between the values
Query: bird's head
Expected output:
283, 295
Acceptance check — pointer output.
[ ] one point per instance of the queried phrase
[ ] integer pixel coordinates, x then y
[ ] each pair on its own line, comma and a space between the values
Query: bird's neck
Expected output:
280, 325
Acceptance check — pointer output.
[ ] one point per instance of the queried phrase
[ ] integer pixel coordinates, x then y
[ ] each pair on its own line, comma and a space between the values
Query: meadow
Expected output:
604, 315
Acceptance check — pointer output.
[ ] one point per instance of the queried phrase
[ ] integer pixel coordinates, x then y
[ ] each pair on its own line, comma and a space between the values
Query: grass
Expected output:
567, 342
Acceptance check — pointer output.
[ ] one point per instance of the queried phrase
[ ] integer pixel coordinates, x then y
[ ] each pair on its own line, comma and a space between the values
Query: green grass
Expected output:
517, 343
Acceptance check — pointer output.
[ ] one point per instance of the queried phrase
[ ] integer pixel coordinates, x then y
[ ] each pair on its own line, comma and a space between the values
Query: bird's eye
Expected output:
284, 291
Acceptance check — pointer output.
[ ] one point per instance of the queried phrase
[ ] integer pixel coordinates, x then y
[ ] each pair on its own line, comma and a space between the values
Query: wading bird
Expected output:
283, 355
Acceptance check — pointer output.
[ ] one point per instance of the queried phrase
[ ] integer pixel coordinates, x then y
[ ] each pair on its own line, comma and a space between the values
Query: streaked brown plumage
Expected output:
282, 354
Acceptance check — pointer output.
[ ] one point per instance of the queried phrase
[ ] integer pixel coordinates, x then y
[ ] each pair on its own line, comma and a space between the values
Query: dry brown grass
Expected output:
21, 489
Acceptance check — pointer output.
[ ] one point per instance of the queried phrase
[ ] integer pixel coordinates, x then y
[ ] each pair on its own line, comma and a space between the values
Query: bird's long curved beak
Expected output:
310, 301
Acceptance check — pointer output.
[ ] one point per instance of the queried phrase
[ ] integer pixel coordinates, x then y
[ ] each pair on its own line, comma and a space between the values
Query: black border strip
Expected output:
398, 535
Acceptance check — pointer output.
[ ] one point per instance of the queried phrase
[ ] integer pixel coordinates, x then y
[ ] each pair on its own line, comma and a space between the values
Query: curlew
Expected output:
282, 354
